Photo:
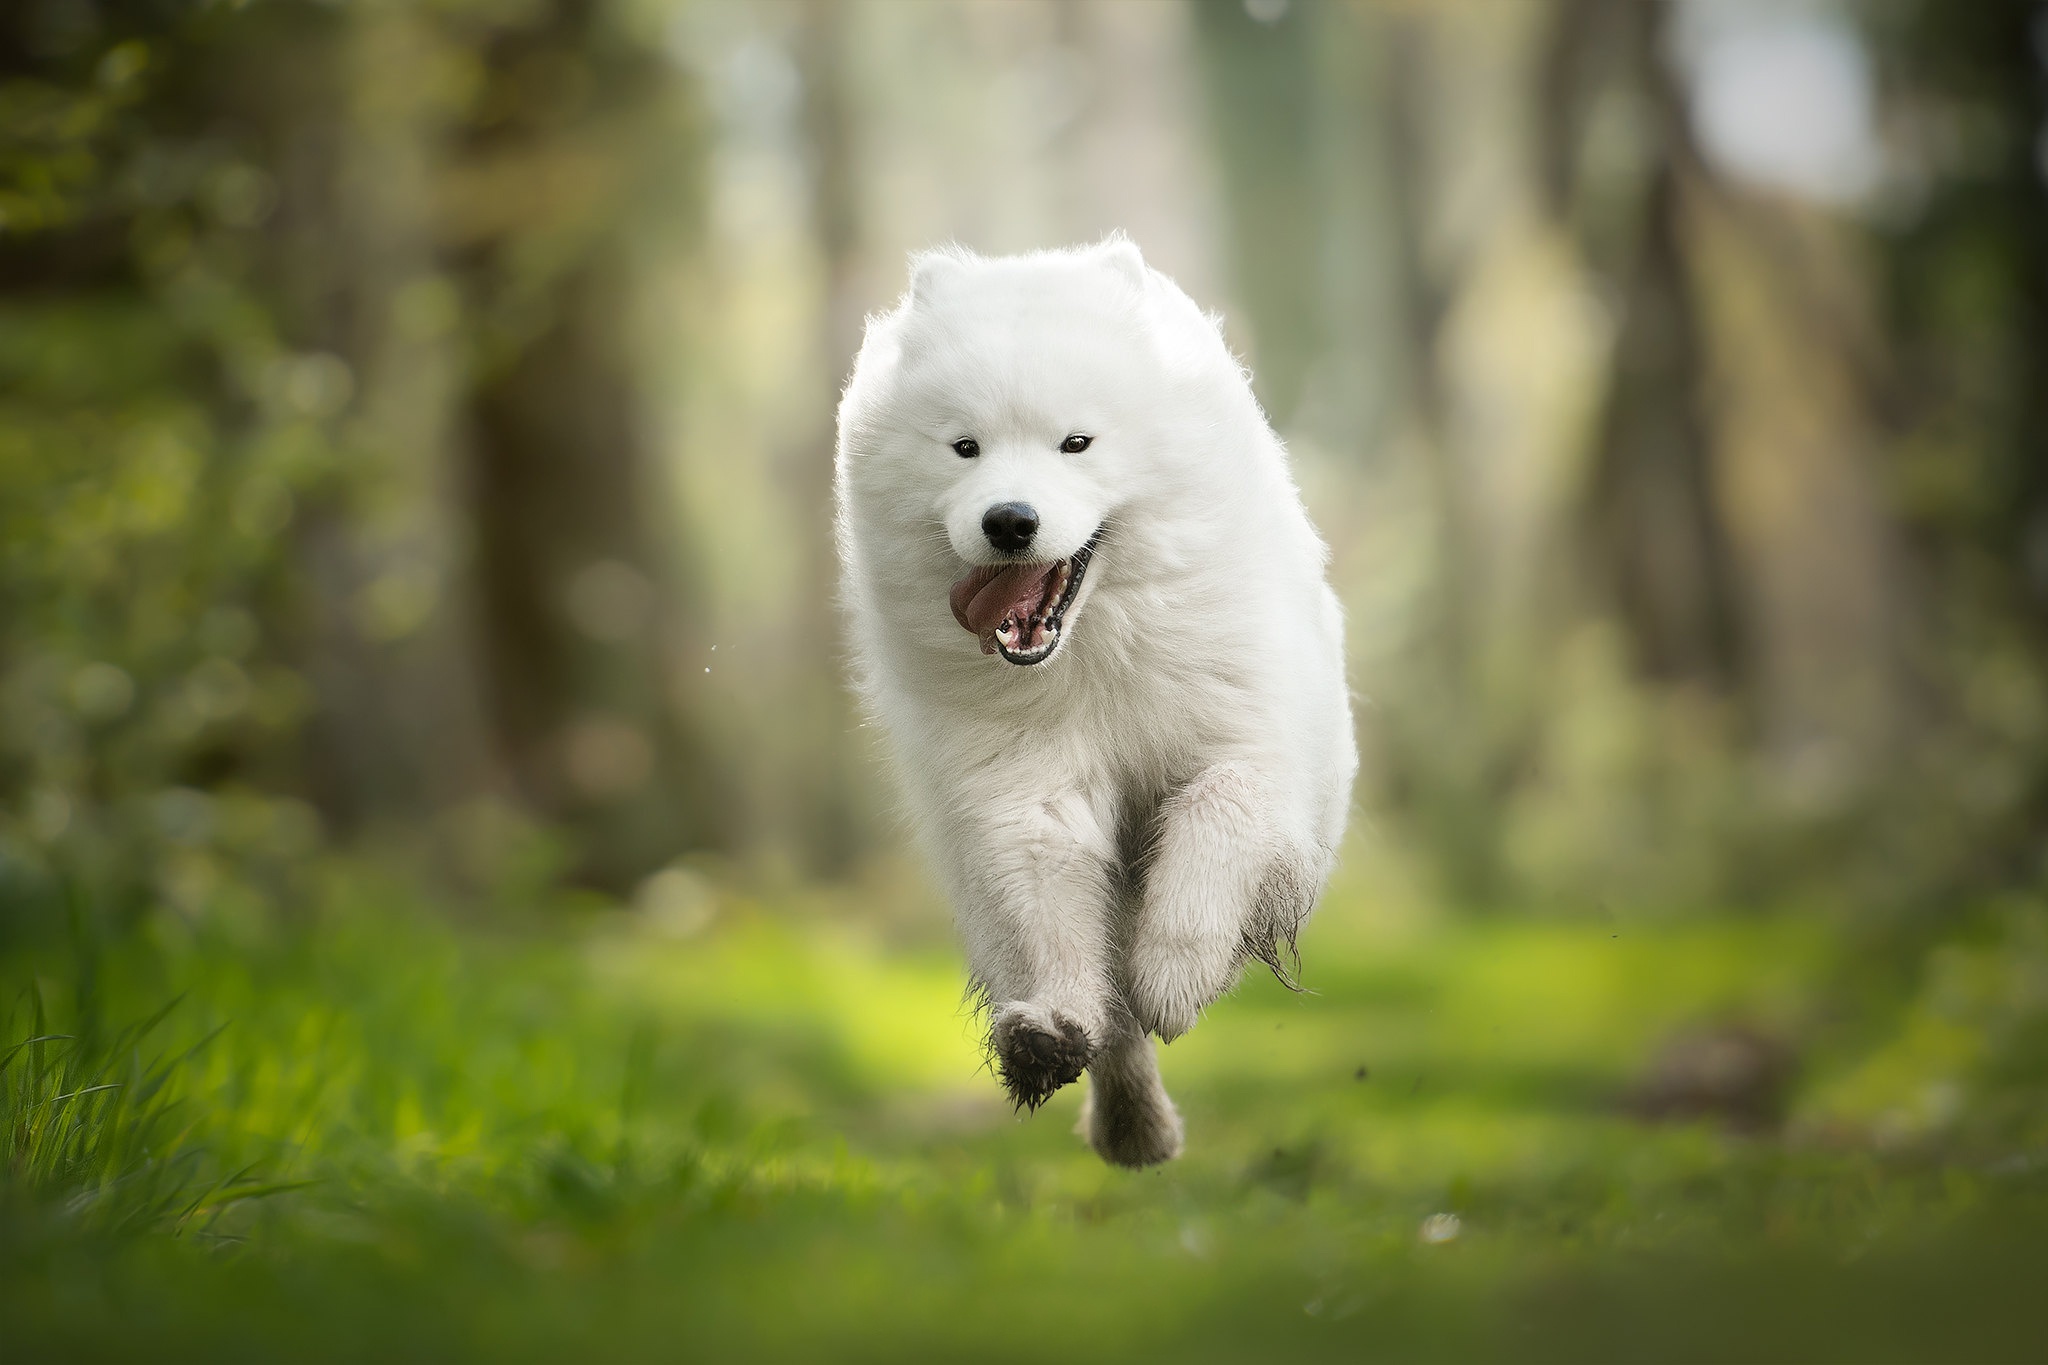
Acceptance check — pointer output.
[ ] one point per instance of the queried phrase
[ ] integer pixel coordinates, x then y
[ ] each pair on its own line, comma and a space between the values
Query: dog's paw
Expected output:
1132, 1129
1038, 1050
1174, 980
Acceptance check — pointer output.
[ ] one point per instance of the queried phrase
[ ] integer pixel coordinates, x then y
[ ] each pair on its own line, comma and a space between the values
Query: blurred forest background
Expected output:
415, 428
404, 400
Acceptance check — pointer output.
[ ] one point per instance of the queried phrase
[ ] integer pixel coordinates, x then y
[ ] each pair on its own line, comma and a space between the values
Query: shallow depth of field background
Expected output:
449, 905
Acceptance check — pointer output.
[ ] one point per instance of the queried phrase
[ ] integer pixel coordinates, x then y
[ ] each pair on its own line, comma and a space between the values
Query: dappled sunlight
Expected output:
900, 1020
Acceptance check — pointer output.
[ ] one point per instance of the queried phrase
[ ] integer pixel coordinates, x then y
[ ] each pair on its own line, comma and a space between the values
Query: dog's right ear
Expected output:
930, 272
1121, 254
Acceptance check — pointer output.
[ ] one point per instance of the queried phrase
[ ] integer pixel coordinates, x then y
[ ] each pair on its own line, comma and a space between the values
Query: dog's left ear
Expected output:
1121, 254
929, 271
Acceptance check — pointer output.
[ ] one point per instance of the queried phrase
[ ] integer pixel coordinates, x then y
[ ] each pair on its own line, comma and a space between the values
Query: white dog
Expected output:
1133, 765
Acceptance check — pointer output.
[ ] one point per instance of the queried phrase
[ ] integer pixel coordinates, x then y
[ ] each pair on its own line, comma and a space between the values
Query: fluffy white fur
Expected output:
1124, 826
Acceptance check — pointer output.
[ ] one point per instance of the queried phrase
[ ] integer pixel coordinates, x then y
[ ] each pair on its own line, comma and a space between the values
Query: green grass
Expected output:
378, 1136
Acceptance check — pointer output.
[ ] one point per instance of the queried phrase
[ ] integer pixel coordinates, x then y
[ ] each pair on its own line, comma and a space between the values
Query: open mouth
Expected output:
1018, 609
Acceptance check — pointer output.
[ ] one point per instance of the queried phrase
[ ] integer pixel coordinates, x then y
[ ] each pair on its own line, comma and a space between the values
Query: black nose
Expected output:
1009, 526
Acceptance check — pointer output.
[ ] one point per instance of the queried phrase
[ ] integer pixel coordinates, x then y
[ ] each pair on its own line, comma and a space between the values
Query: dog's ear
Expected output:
931, 270
1121, 254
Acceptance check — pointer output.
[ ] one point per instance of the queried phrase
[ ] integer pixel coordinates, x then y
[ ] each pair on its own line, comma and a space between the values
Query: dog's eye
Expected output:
967, 447
1074, 445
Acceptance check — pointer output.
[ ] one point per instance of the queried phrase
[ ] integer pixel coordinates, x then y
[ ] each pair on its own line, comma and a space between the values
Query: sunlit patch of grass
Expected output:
897, 1018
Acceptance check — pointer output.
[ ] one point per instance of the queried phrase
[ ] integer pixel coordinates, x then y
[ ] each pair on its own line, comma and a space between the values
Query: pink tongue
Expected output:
992, 592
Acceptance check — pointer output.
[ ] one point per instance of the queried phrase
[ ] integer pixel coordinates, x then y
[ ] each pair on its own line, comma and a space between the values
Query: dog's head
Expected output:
1022, 409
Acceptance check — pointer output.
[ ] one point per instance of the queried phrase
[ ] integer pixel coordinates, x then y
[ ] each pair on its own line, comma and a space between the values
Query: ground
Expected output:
777, 1137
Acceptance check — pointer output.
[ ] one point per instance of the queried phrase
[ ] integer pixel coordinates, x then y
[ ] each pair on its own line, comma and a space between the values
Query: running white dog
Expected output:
1127, 745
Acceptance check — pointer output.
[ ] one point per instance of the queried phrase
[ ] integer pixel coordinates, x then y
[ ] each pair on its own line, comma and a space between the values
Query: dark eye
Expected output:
967, 447
1074, 445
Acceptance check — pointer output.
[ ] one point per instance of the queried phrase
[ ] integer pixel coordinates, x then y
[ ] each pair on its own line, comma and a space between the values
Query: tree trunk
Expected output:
574, 603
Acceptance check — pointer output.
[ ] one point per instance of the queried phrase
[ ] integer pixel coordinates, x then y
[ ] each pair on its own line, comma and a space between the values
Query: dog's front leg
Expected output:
1039, 882
1222, 884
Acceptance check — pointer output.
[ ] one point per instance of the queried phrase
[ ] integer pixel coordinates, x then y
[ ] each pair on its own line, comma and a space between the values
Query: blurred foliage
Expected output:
236, 340
158, 435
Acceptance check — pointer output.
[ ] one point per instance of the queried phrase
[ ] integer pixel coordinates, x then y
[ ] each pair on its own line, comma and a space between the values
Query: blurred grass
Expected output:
775, 1138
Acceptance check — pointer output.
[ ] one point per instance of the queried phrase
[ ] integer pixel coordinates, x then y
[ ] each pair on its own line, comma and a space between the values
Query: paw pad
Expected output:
1035, 1056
